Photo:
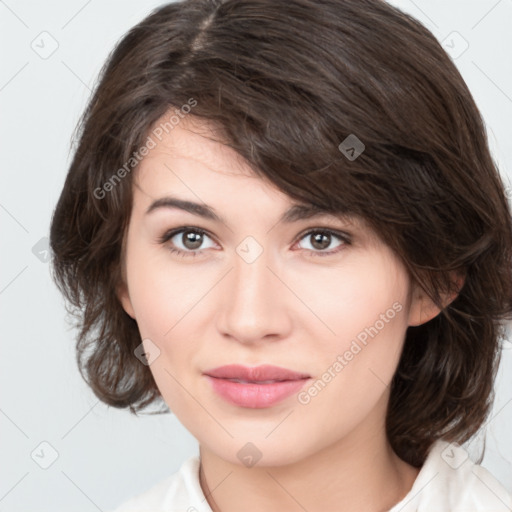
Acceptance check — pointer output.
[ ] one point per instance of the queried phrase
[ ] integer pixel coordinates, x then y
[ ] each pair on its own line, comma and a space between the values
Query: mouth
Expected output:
258, 374
255, 381
255, 388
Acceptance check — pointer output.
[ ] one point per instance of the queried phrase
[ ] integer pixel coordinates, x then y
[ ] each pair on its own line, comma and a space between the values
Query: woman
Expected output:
291, 232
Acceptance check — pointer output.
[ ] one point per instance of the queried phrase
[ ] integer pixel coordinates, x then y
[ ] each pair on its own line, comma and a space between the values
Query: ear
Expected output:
424, 309
124, 298
122, 288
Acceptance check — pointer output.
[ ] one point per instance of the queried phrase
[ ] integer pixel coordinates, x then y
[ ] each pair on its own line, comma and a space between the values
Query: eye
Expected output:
185, 241
322, 239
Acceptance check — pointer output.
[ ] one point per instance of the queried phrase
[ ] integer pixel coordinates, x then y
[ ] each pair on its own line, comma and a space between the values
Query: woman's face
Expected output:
253, 290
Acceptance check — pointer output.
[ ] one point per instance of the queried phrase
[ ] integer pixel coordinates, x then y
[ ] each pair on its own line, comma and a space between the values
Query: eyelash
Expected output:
325, 231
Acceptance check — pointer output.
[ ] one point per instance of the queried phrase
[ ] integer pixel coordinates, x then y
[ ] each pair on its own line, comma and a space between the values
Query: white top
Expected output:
447, 482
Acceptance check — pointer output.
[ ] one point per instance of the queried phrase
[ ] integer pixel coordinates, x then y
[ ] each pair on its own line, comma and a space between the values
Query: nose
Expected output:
254, 302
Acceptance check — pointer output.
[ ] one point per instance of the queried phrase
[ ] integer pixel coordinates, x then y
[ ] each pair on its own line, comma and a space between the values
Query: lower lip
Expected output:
255, 396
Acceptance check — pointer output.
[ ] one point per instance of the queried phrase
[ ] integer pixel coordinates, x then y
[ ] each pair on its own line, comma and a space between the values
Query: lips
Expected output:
263, 374
258, 387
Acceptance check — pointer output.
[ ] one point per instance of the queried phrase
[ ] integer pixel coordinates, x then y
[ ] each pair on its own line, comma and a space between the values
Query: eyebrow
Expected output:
295, 213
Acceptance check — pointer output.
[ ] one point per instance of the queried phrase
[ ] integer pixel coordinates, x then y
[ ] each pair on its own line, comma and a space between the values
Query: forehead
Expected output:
197, 140
194, 160
192, 168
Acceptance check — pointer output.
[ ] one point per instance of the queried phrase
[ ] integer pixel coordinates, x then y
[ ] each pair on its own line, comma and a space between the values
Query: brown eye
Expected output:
320, 240
185, 241
192, 240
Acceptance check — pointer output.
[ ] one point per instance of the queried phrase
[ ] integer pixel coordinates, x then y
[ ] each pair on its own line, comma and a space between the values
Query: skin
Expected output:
289, 307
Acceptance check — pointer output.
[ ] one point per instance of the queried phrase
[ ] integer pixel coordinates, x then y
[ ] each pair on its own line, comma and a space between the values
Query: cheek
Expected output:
161, 294
363, 334
366, 296
167, 304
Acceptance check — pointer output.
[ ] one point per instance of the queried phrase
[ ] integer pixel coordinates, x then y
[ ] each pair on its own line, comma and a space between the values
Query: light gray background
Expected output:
104, 455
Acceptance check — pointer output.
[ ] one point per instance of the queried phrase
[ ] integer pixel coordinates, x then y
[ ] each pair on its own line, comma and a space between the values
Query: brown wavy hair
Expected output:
286, 83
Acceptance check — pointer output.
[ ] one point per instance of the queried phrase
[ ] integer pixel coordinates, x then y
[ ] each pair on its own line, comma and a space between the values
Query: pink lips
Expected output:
256, 387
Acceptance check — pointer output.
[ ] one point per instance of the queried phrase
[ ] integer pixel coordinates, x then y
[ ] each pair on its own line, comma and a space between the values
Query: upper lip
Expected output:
256, 373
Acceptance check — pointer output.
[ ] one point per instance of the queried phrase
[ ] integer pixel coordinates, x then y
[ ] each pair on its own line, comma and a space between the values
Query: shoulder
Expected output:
180, 491
450, 481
